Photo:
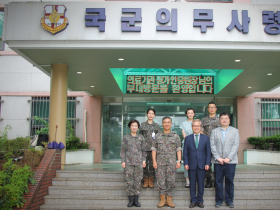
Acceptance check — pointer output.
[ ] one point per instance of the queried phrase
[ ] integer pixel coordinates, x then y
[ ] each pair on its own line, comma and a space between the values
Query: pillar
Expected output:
58, 106
93, 105
245, 122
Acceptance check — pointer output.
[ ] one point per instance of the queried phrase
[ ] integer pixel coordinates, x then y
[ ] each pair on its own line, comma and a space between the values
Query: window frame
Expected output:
2, 44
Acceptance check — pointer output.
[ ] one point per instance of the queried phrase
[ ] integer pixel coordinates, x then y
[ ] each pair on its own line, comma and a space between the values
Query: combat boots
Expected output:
146, 182
130, 201
208, 182
151, 182
169, 202
162, 202
136, 203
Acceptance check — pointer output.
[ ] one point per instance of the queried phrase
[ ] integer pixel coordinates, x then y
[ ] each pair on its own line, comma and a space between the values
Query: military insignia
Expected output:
54, 20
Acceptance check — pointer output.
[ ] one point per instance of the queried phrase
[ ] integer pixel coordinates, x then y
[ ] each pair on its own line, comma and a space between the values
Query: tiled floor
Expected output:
117, 167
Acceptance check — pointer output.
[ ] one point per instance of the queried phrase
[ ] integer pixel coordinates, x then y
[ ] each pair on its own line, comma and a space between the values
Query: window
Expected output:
270, 119
40, 108
1, 29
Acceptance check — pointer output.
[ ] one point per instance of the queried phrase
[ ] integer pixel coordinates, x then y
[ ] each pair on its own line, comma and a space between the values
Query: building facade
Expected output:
124, 57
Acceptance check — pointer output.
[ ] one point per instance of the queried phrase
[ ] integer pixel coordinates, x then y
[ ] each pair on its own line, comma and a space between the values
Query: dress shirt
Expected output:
224, 132
194, 135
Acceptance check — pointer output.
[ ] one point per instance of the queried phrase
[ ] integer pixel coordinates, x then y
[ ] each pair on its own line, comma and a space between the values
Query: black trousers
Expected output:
197, 175
227, 172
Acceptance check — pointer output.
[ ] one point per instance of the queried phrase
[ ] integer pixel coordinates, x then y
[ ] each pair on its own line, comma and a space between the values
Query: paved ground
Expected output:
117, 167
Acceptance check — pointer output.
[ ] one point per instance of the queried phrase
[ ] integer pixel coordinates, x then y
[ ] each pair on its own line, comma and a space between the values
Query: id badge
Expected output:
153, 135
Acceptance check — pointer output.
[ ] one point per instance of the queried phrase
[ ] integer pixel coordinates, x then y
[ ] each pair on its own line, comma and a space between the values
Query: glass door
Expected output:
131, 111
117, 116
111, 135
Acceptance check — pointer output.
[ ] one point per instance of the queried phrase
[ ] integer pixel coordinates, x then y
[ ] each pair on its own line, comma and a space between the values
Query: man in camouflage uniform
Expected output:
208, 124
133, 158
164, 149
149, 129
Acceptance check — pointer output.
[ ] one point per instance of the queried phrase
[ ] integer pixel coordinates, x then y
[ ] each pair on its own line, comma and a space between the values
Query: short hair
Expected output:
151, 109
186, 112
225, 114
211, 103
197, 120
166, 118
133, 121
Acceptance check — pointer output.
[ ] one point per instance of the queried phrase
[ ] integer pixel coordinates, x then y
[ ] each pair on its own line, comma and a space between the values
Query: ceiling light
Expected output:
237, 61
92, 86
269, 74
121, 59
79, 72
249, 87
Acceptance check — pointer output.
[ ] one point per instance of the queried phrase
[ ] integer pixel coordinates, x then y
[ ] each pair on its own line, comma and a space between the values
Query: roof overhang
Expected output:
87, 50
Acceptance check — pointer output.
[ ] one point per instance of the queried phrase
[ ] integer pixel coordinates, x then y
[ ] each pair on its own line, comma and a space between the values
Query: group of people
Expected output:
155, 153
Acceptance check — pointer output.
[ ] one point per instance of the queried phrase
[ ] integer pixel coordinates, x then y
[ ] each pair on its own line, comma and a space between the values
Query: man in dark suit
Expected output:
197, 158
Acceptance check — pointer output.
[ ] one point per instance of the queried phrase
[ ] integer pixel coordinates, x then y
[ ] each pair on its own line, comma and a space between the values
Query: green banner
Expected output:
170, 84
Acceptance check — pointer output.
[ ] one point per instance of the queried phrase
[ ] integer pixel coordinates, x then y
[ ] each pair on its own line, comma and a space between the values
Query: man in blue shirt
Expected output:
224, 147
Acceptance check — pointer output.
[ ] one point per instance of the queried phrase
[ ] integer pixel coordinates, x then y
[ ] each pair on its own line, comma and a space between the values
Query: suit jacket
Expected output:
228, 149
197, 157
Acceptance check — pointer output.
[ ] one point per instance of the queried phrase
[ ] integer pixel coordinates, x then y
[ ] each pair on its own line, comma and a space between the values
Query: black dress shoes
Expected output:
192, 205
201, 205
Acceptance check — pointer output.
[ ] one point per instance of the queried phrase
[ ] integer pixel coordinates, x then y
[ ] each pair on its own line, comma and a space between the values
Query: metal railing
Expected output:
270, 119
40, 108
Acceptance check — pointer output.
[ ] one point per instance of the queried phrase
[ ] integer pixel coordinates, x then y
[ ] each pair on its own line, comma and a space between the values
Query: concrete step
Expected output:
121, 190
239, 200
119, 174
146, 207
180, 182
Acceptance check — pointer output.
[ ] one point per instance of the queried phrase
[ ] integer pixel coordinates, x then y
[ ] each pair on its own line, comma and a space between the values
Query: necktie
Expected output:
196, 141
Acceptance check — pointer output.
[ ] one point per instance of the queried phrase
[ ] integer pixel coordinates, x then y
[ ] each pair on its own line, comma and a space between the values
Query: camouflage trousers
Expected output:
166, 179
149, 170
133, 176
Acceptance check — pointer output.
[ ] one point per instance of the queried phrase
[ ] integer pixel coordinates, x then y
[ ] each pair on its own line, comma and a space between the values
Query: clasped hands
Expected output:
222, 161
187, 167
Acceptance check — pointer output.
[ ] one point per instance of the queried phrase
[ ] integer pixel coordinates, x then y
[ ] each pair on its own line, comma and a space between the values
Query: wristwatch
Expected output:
179, 161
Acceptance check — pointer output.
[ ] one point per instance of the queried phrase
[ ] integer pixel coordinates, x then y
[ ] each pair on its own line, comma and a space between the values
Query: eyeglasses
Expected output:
196, 126
211, 107
167, 122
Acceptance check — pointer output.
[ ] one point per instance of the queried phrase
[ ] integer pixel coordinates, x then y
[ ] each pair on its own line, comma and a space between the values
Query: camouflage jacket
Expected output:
166, 146
133, 150
210, 123
146, 130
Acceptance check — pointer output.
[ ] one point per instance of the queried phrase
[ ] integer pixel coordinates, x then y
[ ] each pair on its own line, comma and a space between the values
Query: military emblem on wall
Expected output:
54, 20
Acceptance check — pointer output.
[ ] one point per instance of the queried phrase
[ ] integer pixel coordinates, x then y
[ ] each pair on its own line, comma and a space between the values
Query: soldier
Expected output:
133, 158
164, 150
149, 129
209, 123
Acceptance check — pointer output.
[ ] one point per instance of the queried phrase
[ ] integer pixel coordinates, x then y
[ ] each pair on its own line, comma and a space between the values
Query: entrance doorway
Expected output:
117, 115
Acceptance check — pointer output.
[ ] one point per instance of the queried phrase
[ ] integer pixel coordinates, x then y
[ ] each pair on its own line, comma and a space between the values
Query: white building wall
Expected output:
265, 2
18, 75
15, 110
